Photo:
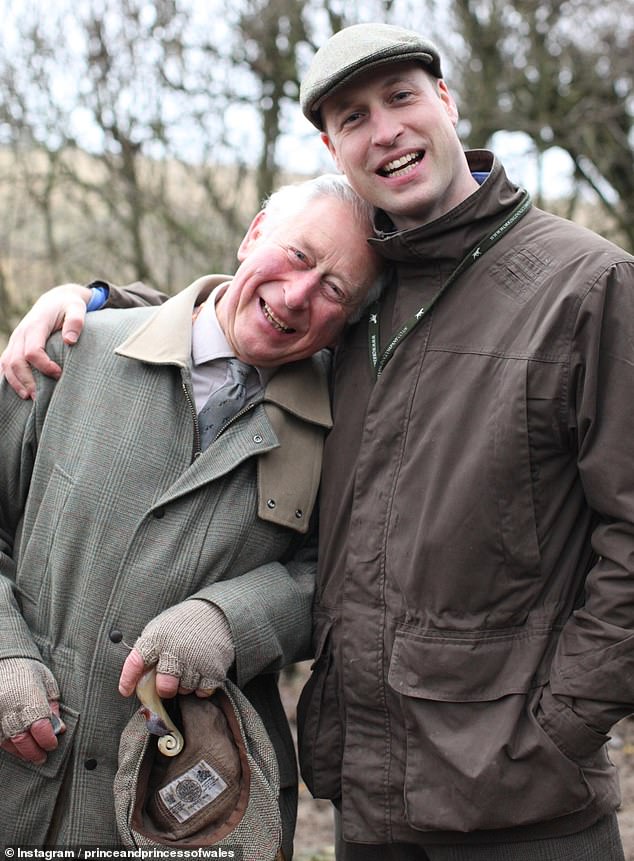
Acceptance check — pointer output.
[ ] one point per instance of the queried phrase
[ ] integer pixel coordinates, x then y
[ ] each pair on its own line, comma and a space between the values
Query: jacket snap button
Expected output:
299, 514
257, 438
270, 503
90, 764
412, 679
159, 513
115, 636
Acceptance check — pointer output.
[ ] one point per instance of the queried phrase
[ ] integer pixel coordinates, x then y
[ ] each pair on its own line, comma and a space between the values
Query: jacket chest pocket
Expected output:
518, 411
512, 466
467, 496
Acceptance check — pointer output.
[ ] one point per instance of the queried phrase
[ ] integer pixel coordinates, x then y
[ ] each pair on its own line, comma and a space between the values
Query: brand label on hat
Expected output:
192, 791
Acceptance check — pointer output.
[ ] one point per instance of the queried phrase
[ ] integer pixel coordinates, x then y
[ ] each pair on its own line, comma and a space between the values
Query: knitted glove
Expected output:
191, 641
26, 686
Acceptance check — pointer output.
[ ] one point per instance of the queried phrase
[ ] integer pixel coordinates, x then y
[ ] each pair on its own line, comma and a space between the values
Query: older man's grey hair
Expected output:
290, 200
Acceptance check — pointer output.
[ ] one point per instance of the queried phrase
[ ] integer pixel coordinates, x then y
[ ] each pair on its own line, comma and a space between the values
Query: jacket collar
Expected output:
300, 388
165, 338
442, 242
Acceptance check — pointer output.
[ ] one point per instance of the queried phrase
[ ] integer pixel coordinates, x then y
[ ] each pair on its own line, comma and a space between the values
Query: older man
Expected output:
126, 516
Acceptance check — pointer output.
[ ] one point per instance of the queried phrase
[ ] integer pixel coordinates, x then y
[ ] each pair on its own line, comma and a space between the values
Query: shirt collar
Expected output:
209, 341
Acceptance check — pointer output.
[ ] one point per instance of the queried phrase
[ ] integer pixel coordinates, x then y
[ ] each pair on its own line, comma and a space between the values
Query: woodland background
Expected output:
137, 138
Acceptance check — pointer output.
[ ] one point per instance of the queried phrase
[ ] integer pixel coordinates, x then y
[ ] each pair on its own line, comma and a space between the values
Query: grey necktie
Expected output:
223, 404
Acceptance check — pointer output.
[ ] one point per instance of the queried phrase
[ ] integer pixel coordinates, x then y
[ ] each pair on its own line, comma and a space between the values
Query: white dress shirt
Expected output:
210, 349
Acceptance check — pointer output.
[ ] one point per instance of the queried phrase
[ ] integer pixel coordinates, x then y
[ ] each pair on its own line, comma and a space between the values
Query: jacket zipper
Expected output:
245, 409
197, 451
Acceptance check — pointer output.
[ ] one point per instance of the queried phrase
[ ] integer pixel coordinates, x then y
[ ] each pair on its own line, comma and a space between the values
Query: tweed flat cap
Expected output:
355, 49
221, 791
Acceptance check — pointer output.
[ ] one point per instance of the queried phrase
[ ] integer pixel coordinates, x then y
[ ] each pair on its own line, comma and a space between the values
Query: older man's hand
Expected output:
191, 645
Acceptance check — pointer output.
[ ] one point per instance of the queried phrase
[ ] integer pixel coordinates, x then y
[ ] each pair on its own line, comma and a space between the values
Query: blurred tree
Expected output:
143, 134
137, 137
109, 111
562, 72
269, 33
273, 40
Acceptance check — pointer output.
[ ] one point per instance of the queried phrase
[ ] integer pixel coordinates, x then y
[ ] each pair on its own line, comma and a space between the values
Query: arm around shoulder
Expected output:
133, 295
63, 307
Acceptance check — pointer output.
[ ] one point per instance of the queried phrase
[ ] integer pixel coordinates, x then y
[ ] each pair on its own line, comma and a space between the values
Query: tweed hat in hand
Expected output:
221, 790
355, 49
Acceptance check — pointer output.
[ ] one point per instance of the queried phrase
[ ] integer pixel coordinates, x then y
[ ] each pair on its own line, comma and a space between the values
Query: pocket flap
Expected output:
457, 666
56, 759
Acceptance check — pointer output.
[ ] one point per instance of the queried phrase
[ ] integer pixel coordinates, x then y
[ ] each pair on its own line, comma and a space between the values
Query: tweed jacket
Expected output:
109, 514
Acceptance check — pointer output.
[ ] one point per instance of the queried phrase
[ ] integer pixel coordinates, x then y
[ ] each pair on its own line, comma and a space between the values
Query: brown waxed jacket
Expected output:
474, 618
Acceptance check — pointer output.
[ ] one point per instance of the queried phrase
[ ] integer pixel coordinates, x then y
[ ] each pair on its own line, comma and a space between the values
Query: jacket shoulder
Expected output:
572, 239
103, 331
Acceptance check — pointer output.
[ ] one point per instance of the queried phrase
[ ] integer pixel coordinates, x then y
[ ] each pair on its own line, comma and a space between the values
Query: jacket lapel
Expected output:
286, 434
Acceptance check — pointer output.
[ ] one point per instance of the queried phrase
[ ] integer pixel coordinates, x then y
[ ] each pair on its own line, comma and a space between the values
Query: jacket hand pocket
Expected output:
320, 737
29, 803
476, 757
575, 738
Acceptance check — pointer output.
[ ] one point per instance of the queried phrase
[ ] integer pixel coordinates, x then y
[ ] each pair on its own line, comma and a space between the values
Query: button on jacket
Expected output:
474, 617
108, 516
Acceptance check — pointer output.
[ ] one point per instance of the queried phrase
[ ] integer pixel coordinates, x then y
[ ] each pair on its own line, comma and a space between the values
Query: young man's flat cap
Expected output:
355, 49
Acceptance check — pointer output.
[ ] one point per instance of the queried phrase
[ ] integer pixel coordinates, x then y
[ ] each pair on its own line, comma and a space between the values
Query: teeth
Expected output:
273, 319
405, 161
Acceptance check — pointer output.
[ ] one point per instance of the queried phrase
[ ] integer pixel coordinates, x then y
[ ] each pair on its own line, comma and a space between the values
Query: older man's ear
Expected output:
251, 236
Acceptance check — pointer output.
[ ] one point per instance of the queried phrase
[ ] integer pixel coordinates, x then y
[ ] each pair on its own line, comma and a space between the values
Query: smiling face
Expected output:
392, 132
298, 282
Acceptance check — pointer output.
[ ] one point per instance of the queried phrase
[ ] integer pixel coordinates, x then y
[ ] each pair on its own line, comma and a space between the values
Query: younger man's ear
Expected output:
330, 147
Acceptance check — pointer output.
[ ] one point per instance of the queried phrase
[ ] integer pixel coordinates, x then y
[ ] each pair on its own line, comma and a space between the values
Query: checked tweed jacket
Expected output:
107, 517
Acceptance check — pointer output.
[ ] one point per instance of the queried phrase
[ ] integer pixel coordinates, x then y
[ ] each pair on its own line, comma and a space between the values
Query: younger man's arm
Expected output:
62, 307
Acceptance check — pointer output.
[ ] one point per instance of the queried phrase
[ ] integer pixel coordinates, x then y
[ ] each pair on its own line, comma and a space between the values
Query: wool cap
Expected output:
355, 49
221, 790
